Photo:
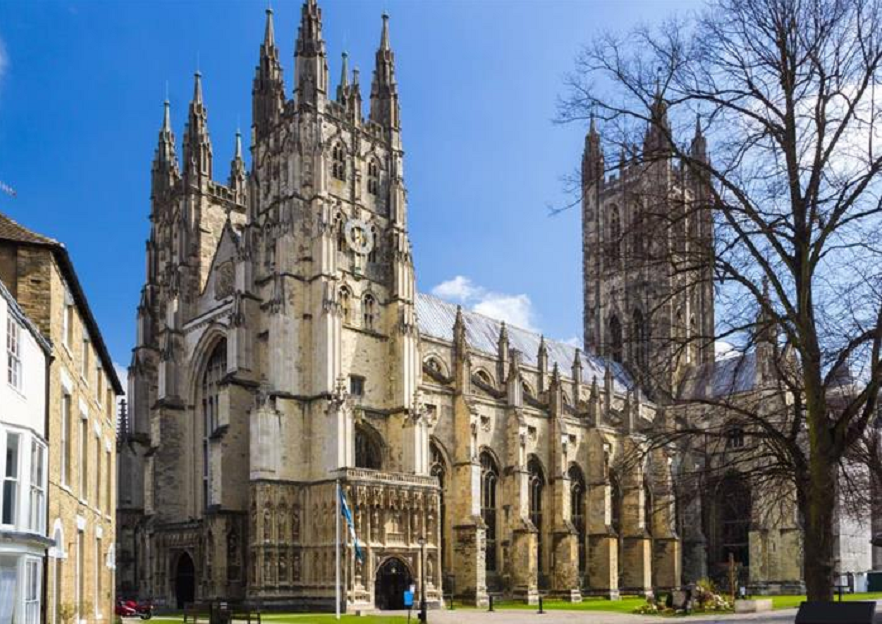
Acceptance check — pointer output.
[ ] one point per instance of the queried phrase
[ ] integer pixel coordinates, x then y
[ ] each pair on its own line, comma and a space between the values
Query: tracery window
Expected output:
648, 506
537, 486
234, 566
368, 453
639, 338
346, 304
577, 512
729, 521
214, 371
368, 311
735, 437
615, 495
614, 235
489, 481
375, 237
615, 339
338, 164
373, 184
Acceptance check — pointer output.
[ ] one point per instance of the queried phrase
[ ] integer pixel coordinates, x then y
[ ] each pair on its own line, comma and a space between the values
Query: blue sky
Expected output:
81, 91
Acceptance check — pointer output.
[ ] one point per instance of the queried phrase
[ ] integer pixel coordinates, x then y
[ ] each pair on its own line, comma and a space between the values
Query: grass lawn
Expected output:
792, 602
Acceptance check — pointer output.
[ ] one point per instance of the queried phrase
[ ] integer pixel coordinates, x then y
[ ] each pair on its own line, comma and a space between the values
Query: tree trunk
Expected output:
819, 504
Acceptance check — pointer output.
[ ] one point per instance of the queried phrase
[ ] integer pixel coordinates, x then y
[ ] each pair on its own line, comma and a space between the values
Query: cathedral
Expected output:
282, 348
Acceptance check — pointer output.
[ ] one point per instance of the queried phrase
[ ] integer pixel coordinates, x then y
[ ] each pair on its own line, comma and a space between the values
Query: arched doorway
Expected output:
185, 580
393, 578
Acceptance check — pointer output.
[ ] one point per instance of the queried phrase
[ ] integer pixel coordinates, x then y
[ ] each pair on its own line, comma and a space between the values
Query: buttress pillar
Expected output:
636, 542
469, 536
524, 552
603, 547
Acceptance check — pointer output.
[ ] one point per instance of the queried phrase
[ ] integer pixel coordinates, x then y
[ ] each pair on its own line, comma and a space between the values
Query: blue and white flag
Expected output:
344, 509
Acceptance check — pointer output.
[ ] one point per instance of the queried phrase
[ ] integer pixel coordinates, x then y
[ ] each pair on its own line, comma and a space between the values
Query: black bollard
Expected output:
541, 610
490, 605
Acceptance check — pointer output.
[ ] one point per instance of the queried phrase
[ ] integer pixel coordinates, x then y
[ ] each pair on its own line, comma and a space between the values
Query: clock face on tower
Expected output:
359, 236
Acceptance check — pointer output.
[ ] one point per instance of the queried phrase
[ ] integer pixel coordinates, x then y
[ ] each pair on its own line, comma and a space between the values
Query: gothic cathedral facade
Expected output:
282, 348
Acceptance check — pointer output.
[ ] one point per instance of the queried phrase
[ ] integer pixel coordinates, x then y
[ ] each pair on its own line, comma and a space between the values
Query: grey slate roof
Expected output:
725, 377
436, 317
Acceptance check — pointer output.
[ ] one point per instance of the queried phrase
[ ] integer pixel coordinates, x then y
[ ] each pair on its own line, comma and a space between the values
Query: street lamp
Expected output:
422, 542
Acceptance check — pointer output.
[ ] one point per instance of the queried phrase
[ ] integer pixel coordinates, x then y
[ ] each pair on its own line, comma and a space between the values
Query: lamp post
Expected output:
422, 542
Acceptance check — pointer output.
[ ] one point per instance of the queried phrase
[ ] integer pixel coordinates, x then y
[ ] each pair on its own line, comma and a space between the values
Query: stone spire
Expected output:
698, 148
165, 161
592, 157
384, 88
268, 90
237, 171
197, 144
343, 86
657, 143
310, 60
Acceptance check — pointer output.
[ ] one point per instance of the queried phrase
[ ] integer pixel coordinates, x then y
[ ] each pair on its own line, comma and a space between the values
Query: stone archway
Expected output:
185, 580
393, 578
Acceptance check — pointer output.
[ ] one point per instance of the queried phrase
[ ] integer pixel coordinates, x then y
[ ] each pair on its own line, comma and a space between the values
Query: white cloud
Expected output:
573, 341
724, 350
516, 310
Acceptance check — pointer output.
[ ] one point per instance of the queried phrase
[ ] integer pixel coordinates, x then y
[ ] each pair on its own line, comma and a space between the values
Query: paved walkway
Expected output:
523, 616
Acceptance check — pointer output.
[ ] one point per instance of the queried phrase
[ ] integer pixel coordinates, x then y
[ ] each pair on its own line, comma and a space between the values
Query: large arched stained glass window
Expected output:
537, 487
215, 369
577, 512
489, 481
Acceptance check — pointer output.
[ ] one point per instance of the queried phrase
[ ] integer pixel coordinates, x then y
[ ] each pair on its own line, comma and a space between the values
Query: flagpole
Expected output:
337, 554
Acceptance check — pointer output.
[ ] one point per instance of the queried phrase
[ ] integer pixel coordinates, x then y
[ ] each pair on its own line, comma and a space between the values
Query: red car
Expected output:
132, 608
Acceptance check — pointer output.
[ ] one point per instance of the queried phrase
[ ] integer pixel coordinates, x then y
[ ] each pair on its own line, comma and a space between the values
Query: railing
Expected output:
391, 478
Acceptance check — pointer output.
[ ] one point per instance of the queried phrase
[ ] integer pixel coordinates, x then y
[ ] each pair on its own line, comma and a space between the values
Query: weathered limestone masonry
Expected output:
83, 387
282, 346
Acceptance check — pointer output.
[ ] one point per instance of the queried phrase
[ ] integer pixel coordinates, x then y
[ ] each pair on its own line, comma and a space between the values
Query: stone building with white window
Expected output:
24, 368
81, 426
281, 346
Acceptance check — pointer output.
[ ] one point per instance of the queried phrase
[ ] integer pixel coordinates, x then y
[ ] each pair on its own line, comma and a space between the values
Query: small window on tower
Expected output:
338, 166
346, 304
356, 385
368, 311
373, 177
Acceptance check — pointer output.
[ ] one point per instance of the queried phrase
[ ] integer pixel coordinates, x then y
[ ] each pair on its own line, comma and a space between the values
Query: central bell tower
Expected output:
640, 219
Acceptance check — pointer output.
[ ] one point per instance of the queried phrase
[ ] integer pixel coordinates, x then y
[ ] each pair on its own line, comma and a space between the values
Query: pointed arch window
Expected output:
346, 304
368, 450
341, 234
639, 337
338, 162
537, 487
489, 481
373, 184
368, 311
615, 495
438, 470
615, 339
215, 369
375, 237
638, 234
577, 512
614, 235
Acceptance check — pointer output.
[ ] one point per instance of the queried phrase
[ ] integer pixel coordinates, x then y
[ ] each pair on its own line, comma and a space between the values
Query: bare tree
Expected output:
784, 94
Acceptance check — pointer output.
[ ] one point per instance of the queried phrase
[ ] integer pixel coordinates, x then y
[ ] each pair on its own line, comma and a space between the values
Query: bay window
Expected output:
10, 479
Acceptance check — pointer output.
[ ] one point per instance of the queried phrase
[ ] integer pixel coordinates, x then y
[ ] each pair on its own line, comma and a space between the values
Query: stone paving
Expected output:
522, 616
